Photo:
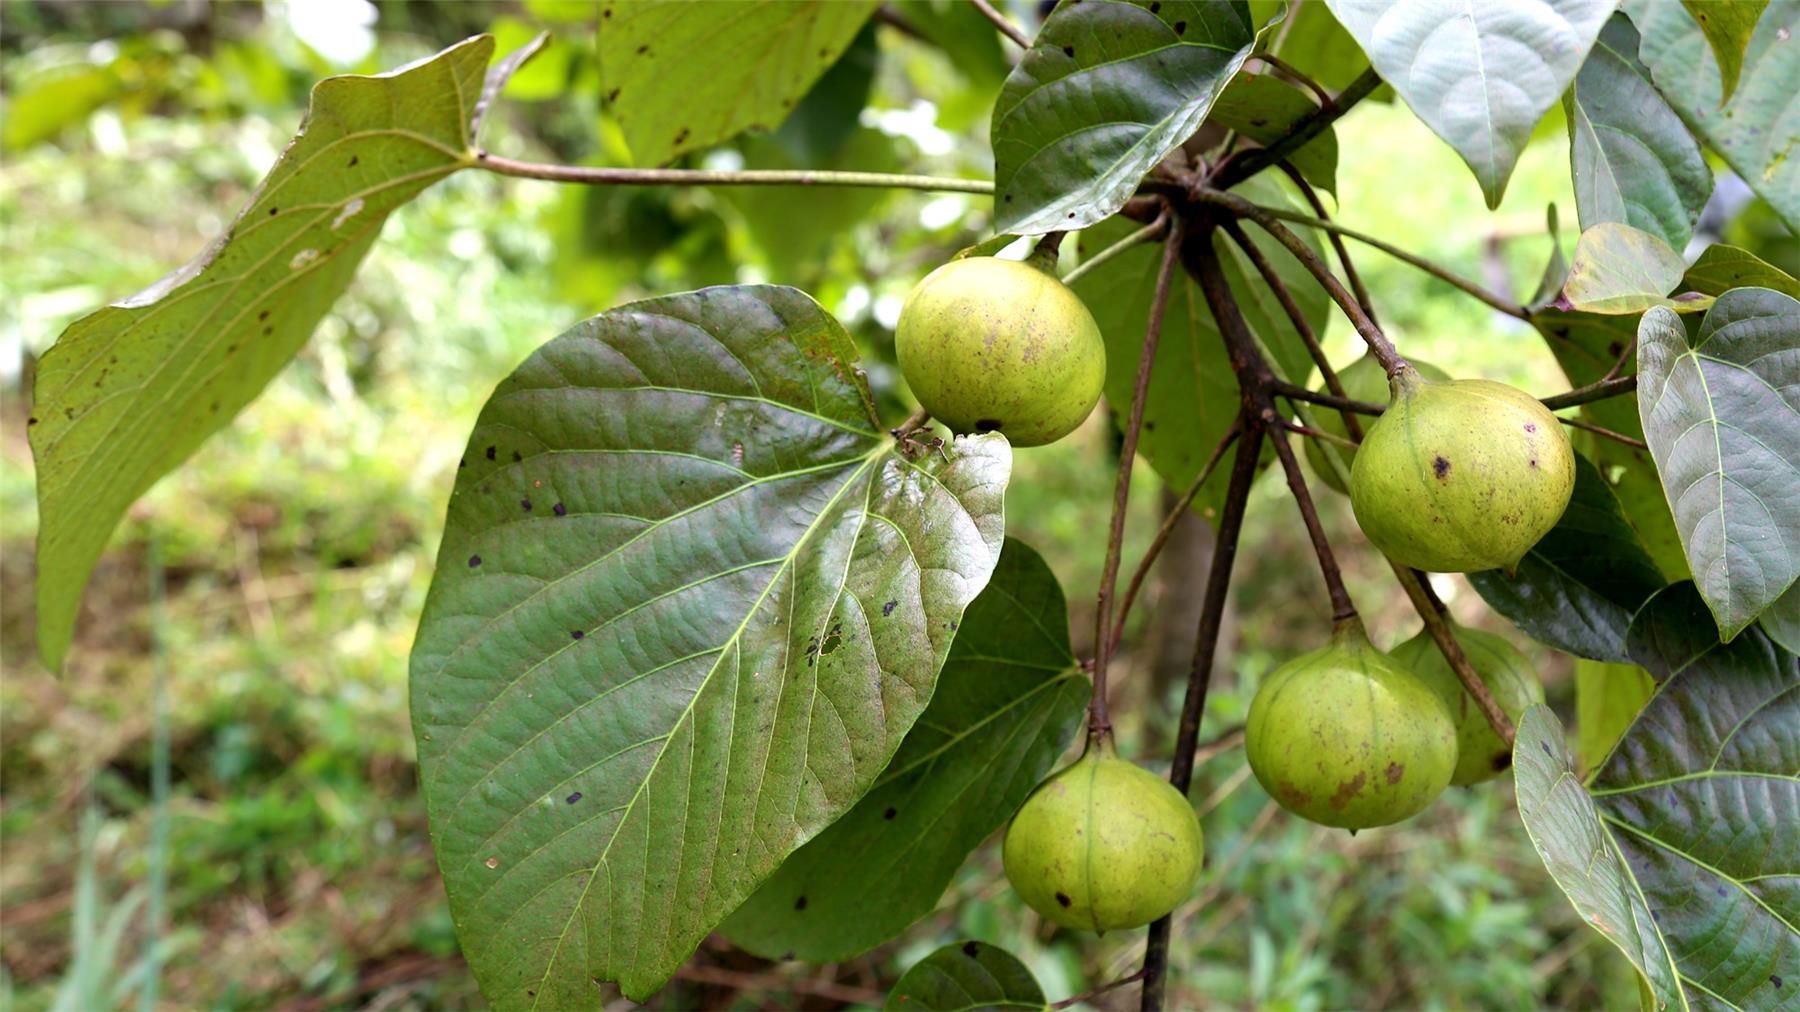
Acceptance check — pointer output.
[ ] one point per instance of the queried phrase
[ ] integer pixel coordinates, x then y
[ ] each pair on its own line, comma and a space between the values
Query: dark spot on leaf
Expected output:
1546, 747
1774, 980
525, 504
952, 626
1155, 7
272, 211
262, 316
268, 330
1721, 890
353, 160
1501, 761
1259, 122
34, 421
490, 453
641, 50
800, 904
474, 560
988, 425
681, 135
1440, 467
560, 510
787, 955
1063, 900
1069, 51
1181, 28
886, 609
890, 813
824, 54
571, 799
516, 457
576, 634
971, 950
1009, 198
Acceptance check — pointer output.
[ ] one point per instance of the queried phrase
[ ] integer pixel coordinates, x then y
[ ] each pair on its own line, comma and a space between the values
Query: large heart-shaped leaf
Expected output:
1577, 588
1690, 818
688, 603
1193, 395
1621, 270
1722, 417
1757, 130
1633, 159
1263, 108
130, 391
1608, 697
1106, 91
1782, 620
1720, 268
1480, 75
1727, 25
965, 977
1008, 701
683, 76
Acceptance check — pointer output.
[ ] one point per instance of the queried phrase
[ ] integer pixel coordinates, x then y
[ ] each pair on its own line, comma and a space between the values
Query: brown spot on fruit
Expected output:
988, 425
1063, 899
1348, 789
1394, 772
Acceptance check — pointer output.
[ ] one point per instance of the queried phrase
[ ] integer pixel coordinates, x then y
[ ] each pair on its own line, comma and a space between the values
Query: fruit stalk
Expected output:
1098, 720
1437, 623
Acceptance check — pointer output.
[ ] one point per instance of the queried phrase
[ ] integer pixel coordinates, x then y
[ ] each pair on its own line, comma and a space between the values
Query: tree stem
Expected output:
1206, 645
1098, 720
1007, 28
720, 177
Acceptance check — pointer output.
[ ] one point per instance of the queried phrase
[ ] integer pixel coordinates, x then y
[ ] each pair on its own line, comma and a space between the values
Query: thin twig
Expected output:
1206, 645
721, 177
1285, 69
1617, 437
1341, 608
1371, 334
1498, 302
1096, 992
1300, 393
1143, 235
1241, 167
1164, 532
1098, 721
1598, 391
1437, 623
1007, 28
1336, 240
1319, 434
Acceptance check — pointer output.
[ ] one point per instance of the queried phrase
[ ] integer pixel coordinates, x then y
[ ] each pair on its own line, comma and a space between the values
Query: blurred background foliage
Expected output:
297, 545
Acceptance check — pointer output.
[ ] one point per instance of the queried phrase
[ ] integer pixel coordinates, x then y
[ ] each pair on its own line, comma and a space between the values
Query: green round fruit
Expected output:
1363, 380
1346, 737
1460, 476
1104, 844
1481, 754
990, 345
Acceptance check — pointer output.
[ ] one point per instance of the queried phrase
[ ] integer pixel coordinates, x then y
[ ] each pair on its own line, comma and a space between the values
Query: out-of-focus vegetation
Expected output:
297, 545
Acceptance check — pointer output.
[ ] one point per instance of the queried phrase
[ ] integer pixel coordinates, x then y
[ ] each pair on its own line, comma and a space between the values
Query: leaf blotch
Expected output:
800, 904
971, 949
1181, 28
888, 608
576, 634
560, 510
490, 453
890, 813
474, 561
571, 799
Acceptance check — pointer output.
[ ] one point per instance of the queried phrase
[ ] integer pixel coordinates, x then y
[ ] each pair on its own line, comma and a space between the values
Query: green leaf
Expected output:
964, 976
1107, 91
1480, 75
1608, 697
688, 603
1311, 39
1722, 417
1008, 702
130, 391
1721, 268
1263, 107
1578, 587
829, 115
1756, 131
1727, 25
1578, 849
1782, 620
683, 76
795, 224
1556, 270
1193, 395
1587, 345
1618, 269
1633, 159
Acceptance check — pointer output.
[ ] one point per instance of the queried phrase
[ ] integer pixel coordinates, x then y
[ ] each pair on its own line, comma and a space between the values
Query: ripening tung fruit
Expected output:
1363, 380
1460, 476
1346, 737
1482, 754
1104, 844
991, 345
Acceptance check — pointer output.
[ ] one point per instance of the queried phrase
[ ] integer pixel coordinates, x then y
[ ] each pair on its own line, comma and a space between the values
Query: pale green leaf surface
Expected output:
1480, 75
1720, 268
130, 391
1727, 25
1263, 107
1618, 269
682, 76
1758, 130
1108, 89
1633, 159
689, 601
1008, 701
1722, 417
964, 977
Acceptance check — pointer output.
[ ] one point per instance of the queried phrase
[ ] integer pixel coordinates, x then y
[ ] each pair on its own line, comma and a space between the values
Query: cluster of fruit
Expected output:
1455, 476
